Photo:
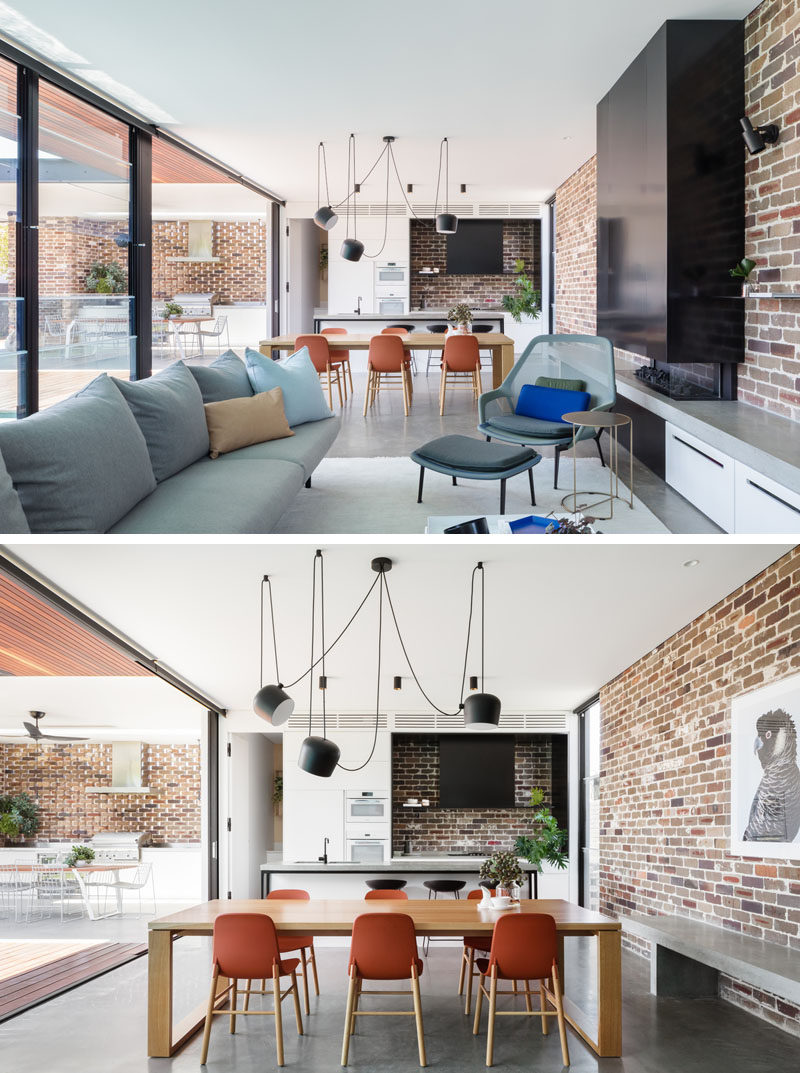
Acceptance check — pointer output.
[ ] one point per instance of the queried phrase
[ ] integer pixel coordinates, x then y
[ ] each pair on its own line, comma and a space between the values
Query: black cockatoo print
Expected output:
775, 811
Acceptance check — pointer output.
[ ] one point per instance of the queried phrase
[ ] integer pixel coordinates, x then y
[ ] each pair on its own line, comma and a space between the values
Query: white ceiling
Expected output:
563, 617
258, 85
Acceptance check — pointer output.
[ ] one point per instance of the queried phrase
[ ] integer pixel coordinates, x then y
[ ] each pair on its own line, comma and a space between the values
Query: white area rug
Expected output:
379, 495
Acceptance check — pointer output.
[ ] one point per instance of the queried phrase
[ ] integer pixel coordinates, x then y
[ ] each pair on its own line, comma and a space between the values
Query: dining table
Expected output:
81, 872
334, 917
501, 347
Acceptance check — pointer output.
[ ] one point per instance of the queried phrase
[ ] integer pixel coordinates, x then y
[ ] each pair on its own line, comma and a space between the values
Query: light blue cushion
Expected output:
168, 408
12, 516
80, 465
226, 378
550, 403
303, 397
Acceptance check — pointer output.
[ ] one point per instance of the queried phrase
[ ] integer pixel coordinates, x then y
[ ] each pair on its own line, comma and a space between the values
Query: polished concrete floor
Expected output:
386, 432
100, 1028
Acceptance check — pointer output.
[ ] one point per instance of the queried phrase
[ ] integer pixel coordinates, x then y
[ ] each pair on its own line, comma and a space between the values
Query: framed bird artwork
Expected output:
765, 776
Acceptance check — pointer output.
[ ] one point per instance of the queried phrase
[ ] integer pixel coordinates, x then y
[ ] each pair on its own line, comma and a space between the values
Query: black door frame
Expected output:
581, 713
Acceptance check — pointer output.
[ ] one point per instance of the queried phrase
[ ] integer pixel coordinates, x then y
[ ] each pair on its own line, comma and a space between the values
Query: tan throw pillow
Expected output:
235, 423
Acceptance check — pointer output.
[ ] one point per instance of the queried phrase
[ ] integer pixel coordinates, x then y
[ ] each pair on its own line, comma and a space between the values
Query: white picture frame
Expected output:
766, 799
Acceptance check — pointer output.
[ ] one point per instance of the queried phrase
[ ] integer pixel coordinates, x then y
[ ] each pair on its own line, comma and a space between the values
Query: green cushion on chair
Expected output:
557, 382
535, 427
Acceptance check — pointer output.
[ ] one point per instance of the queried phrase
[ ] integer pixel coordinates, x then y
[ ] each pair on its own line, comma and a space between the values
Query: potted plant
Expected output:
78, 854
106, 278
504, 868
461, 315
277, 793
526, 300
19, 816
548, 841
172, 309
743, 271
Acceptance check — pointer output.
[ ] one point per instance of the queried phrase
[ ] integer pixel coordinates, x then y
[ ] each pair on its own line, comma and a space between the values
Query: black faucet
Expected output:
324, 857
358, 300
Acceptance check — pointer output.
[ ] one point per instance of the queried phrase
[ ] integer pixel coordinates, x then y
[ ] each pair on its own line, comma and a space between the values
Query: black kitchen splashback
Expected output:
670, 197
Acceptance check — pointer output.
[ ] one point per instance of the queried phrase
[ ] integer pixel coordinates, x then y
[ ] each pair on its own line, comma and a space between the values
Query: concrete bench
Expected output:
687, 956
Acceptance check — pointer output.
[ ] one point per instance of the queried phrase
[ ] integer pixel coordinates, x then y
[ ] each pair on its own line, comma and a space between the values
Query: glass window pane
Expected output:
10, 313
211, 247
84, 223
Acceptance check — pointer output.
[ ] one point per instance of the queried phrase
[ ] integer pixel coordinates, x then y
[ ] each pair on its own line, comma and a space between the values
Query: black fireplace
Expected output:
684, 381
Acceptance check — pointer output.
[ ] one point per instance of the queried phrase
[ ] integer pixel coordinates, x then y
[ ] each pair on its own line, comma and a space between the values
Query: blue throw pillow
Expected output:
303, 397
224, 379
550, 403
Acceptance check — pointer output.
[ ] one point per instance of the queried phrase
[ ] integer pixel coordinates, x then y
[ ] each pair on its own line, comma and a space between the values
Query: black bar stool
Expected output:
435, 329
435, 888
386, 884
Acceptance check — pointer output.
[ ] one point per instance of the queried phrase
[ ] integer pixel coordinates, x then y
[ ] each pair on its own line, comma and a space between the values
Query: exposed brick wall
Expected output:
665, 775
239, 276
67, 247
415, 773
770, 377
576, 252
57, 775
521, 240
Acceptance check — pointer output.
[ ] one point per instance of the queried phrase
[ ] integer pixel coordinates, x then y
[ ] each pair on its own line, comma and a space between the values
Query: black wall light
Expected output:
758, 138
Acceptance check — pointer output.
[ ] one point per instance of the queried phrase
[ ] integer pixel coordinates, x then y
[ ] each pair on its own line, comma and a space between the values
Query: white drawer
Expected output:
763, 505
702, 474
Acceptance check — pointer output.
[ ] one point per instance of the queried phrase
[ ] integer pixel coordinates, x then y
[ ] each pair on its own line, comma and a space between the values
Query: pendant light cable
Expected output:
384, 587
313, 623
374, 166
372, 256
266, 581
322, 636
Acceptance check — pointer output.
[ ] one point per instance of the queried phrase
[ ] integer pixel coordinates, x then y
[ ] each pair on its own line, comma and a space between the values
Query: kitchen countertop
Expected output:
413, 314
413, 862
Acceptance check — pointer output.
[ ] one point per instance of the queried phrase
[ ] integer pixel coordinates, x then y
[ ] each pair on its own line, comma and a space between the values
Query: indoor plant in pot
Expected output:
743, 272
505, 869
461, 315
526, 300
548, 841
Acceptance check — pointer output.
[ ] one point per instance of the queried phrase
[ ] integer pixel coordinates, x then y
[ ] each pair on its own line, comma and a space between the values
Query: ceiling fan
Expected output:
35, 733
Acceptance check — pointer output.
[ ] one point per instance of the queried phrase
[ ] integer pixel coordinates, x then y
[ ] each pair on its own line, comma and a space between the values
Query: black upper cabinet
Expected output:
670, 197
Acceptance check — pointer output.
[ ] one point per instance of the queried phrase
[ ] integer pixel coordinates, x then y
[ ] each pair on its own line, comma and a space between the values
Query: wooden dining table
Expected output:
334, 917
501, 347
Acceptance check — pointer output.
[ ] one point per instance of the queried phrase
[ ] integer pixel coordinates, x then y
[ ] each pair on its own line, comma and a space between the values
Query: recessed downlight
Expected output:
692, 562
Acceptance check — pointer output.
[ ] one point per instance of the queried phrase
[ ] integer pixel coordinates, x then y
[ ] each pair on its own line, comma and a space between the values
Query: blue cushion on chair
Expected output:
550, 403
303, 397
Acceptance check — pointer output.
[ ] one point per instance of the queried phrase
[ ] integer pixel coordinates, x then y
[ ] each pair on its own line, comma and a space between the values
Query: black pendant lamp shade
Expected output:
325, 218
319, 756
446, 223
274, 704
352, 249
481, 710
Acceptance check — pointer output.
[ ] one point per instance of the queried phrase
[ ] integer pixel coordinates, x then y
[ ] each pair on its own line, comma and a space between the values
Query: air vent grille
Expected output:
428, 721
338, 721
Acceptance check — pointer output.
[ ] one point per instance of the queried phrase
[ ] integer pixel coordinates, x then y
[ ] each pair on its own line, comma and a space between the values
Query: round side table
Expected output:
599, 419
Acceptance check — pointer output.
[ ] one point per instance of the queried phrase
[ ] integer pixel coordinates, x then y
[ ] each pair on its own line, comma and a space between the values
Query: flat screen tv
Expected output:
476, 771
476, 248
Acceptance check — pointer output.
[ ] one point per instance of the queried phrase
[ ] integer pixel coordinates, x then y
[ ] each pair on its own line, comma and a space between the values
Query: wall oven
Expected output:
367, 844
391, 274
367, 805
395, 304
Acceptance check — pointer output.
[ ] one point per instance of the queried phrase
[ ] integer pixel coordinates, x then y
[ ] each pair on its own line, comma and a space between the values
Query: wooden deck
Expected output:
32, 972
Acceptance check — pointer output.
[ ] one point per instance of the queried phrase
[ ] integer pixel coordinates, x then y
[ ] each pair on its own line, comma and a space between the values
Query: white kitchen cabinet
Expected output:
702, 474
309, 817
355, 746
763, 505
348, 279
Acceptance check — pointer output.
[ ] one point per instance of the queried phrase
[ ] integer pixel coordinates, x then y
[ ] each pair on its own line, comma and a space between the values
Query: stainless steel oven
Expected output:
367, 805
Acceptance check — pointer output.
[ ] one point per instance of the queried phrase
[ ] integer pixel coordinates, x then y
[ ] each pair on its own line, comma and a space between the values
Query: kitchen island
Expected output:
427, 866
420, 318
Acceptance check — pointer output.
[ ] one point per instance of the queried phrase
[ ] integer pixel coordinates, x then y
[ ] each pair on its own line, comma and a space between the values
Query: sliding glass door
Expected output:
10, 354
590, 789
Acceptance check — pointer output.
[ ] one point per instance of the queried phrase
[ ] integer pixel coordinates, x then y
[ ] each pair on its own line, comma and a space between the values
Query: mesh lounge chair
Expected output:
586, 361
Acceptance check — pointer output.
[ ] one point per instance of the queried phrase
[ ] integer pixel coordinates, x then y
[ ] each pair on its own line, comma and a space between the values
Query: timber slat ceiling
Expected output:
173, 165
37, 639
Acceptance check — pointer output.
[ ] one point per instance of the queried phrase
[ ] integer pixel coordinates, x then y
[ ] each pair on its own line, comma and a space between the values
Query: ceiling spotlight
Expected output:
409, 188
323, 681
758, 138
398, 682
463, 188
473, 682
692, 562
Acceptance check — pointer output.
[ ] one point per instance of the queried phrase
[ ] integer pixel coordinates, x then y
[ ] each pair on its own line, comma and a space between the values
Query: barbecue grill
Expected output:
118, 845
197, 305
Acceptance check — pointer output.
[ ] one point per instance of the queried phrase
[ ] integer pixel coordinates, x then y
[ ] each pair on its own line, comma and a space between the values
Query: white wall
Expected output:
303, 269
249, 775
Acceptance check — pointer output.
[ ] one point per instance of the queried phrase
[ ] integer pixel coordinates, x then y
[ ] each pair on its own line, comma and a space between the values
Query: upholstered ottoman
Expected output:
463, 456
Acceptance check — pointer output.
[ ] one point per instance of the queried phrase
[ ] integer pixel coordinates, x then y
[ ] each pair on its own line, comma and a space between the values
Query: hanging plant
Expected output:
526, 300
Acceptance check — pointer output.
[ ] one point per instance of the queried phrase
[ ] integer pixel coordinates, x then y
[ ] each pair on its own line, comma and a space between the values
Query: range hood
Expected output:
200, 244
126, 770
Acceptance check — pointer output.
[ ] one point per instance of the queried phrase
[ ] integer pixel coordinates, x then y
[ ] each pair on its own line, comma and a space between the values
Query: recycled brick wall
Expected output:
576, 252
239, 276
521, 240
57, 775
770, 377
415, 773
665, 777
67, 247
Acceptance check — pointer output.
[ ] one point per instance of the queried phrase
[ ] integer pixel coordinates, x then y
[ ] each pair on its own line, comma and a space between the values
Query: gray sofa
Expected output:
122, 457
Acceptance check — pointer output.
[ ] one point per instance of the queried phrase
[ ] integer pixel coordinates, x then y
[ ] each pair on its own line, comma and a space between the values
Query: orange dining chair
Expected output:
320, 355
387, 369
472, 943
398, 329
341, 358
246, 948
377, 895
524, 947
461, 366
304, 944
384, 947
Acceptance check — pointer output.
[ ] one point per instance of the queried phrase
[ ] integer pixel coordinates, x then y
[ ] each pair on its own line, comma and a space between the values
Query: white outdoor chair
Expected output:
54, 891
135, 880
15, 890
220, 328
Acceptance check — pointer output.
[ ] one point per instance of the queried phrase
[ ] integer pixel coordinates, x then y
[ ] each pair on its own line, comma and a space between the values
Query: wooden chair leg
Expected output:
476, 1024
305, 980
339, 385
296, 998
528, 1006
276, 990
312, 957
442, 390
330, 389
464, 957
366, 393
246, 1004
490, 1025
404, 380
470, 978
356, 1000
562, 1027
514, 986
348, 1016
234, 993
418, 1015
349, 375
209, 1015
543, 1008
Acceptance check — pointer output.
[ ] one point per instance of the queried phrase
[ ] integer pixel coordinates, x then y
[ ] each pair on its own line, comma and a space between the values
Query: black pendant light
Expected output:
271, 702
324, 217
481, 709
352, 248
446, 222
318, 756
